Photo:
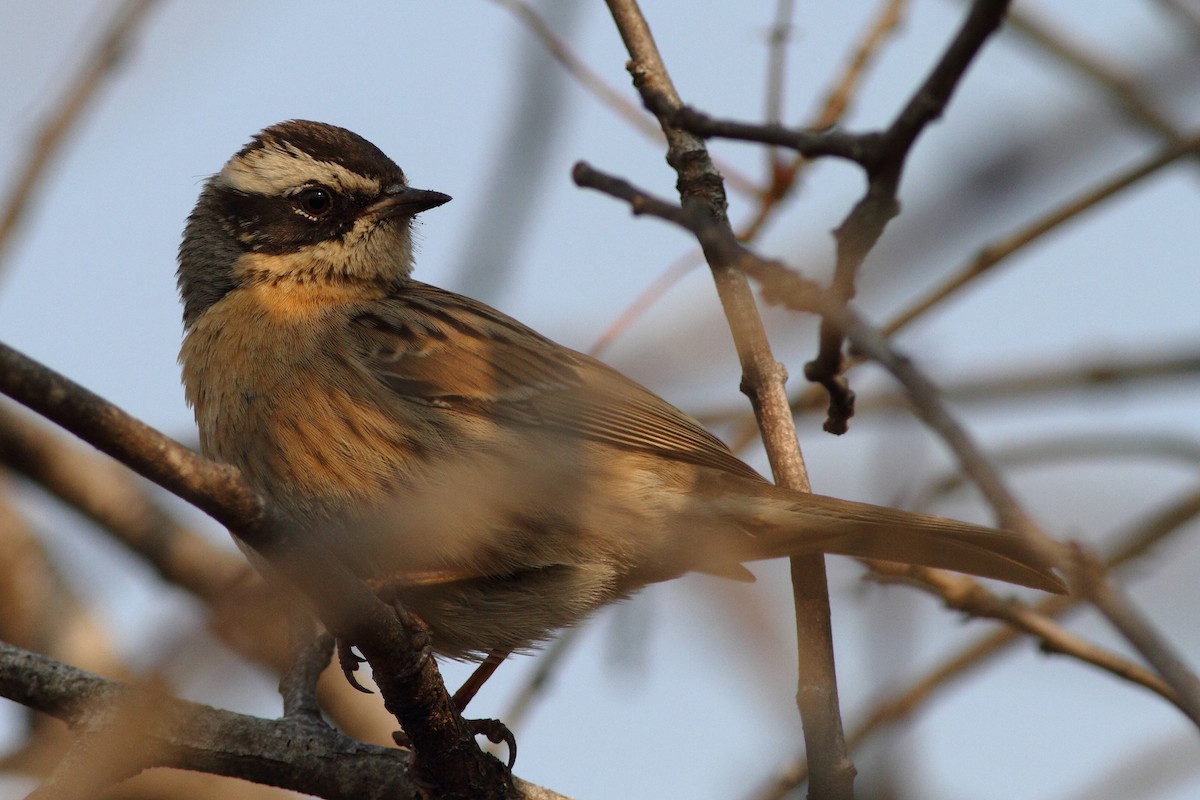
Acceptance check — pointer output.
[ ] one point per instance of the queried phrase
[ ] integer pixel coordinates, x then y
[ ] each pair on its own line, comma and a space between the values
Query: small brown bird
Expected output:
499, 485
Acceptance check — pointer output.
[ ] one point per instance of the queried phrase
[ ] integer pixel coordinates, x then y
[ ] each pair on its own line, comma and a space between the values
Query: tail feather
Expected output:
790, 525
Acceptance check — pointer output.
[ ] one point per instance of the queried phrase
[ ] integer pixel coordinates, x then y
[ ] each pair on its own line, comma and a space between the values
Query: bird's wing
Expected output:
435, 347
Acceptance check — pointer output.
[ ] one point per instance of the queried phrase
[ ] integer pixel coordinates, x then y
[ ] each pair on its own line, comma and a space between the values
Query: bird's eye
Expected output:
315, 201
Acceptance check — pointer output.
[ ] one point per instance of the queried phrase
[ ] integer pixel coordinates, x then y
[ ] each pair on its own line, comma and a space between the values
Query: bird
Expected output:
498, 485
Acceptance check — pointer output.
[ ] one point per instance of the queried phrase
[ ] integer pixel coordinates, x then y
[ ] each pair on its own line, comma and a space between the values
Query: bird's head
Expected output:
303, 201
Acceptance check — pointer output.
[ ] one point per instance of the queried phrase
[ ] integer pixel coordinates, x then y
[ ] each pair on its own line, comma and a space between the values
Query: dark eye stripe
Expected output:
272, 225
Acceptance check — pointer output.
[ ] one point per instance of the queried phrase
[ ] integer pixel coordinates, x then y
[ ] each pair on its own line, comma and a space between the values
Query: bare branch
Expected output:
310, 656
702, 196
992, 254
1136, 542
883, 156
929, 406
1187, 16
1084, 574
591, 81
837, 100
285, 753
111, 497
784, 178
1076, 55
539, 680
1036, 382
1094, 583
968, 596
860, 230
1068, 447
777, 49
578, 69
246, 614
859, 148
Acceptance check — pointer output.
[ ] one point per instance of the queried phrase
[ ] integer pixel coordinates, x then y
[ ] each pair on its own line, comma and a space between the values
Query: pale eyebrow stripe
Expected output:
274, 169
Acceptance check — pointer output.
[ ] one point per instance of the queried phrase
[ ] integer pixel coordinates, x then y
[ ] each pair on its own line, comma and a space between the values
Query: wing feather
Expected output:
432, 346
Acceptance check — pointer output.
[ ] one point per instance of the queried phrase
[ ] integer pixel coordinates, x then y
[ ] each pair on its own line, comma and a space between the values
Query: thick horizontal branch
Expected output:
288, 753
216, 489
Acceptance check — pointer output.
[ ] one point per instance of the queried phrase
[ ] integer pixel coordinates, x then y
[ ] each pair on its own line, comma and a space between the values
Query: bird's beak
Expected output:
398, 200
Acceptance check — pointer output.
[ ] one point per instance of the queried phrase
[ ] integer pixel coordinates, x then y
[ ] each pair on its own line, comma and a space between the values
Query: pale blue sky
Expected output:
669, 695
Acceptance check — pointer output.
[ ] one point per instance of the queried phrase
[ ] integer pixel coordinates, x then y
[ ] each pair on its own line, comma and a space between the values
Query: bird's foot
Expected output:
349, 662
495, 731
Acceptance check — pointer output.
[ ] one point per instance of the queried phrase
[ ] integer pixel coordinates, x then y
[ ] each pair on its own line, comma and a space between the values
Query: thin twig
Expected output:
964, 594
992, 254
858, 233
792, 292
883, 156
1188, 16
1035, 383
1138, 540
578, 69
778, 39
785, 179
702, 194
647, 298
1111, 448
837, 99
97, 68
929, 406
1014, 385
540, 678
785, 287
1075, 54
1081, 569
1095, 584
591, 81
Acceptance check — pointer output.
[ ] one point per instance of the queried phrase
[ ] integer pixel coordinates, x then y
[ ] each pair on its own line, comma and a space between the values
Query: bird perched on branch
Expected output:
499, 485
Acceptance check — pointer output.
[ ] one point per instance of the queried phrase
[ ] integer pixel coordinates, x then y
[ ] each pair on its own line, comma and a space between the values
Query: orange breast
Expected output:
279, 392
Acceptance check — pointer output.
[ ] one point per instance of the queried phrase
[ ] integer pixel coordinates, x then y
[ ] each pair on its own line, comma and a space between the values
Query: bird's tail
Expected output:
784, 523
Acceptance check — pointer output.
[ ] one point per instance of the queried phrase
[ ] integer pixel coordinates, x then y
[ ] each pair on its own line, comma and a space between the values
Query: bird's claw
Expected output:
495, 731
349, 661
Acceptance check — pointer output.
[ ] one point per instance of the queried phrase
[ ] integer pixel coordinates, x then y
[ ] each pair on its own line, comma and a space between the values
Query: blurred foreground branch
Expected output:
97, 68
394, 643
